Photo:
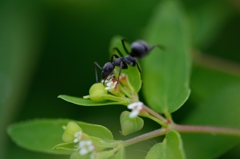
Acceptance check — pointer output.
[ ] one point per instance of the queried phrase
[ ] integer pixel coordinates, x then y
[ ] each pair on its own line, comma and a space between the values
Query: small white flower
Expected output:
111, 85
136, 108
78, 136
106, 81
86, 147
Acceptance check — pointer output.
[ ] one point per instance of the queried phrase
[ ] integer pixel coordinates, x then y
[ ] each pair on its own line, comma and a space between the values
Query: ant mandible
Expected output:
138, 50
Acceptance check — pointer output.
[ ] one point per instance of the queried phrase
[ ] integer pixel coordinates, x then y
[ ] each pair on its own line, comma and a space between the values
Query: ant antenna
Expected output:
119, 73
159, 46
95, 67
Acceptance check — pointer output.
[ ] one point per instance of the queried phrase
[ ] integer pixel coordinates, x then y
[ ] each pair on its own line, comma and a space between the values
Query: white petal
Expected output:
75, 140
78, 134
91, 148
109, 83
82, 144
133, 114
83, 151
139, 107
136, 105
89, 142
132, 105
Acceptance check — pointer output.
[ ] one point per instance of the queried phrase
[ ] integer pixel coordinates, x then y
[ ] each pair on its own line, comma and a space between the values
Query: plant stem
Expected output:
155, 114
206, 130
168, 116
146, 136
157, 120
216, 63
183, 129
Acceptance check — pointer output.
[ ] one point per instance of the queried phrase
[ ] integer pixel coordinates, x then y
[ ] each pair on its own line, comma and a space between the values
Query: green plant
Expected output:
166, 77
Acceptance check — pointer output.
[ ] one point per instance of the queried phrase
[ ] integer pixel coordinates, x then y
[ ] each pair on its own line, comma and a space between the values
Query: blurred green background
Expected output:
48, 48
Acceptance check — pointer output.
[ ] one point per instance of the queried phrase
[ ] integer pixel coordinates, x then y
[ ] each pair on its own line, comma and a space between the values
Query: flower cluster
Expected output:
113, 89
85, 146
111, 85
73, 133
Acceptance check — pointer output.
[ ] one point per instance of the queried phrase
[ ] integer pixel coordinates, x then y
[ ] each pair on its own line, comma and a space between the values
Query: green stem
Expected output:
168, 116
206, 130
147, 136
113, 98
157, 120
155, 114
183, 129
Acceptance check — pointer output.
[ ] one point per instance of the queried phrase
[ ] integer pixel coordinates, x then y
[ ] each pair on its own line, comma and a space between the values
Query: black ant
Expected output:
138, 50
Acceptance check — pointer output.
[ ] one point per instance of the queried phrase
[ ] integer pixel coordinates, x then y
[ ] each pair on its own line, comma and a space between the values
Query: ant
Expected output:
139, 49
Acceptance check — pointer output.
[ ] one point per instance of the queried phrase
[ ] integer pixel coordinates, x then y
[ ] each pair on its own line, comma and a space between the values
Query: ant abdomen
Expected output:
139, 49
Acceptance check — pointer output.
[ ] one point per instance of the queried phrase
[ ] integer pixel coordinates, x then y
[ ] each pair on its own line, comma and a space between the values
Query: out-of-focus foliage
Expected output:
47, 48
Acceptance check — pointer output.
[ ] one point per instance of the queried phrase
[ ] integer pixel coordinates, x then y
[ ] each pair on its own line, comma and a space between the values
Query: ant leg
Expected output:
124, 46
138, 67
119, 73
140, 72
114, 55
115, 48
95, 67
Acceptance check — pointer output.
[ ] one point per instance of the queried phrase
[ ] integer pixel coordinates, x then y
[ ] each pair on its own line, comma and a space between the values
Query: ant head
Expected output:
107, 70
139, 49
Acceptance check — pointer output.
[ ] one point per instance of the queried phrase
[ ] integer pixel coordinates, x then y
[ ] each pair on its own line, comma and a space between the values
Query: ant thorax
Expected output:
130, 60
117, 61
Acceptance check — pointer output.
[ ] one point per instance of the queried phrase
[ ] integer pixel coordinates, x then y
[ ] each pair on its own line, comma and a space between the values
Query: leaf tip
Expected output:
60, 96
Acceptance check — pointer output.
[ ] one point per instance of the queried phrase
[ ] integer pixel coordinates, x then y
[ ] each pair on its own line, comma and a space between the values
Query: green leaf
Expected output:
170, 148
220, 109
215, 80
76, 155
130, 125
132, 72
88, 102
166, 73
42, 135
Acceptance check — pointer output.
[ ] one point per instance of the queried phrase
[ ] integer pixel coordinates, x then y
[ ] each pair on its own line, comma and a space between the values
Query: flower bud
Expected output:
70, 130
126, 83
96, 91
